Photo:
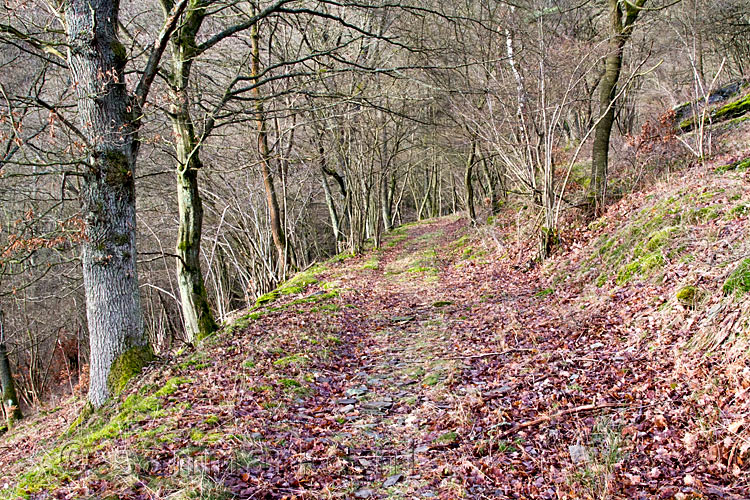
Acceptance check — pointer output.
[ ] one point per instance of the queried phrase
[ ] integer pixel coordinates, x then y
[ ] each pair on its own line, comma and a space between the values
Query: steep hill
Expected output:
448, 365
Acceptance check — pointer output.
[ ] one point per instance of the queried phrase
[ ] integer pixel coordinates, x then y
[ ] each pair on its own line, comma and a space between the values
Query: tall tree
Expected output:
109, 118
623, 15
277, 224
10, 399
196, 311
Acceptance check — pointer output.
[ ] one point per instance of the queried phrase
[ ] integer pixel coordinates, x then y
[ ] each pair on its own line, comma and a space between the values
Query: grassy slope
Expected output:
644, 310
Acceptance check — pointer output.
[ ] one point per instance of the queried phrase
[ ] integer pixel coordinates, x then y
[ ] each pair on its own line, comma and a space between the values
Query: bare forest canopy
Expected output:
164, 164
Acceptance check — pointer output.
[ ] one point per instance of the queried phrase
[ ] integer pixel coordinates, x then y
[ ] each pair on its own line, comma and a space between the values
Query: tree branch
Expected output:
160, 45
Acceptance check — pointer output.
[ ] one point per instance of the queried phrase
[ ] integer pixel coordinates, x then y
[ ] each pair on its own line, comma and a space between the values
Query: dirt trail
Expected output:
432, 325
435, 367
467, 381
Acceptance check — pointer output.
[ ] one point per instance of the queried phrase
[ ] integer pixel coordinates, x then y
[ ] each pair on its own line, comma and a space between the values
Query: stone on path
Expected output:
392, 480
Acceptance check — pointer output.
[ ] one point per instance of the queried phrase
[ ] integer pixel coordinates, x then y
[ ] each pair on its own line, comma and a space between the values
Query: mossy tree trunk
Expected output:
109, 121
10, 399
623, 16
196, 311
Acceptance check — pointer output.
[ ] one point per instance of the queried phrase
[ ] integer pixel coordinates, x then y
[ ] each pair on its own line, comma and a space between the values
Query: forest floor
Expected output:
448, 365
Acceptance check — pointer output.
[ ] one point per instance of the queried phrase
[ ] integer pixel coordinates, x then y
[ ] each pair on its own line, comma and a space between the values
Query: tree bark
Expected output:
386, 200
335, 224
277, 230
96, 58
470, 208
623, 16
196, 311
10, 399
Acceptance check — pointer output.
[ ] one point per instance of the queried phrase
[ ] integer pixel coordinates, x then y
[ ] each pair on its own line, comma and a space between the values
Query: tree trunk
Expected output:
196, 311
10, 399
470, 208
600, 148
335, 224
119, 347
277, 230
623, 16
386, 202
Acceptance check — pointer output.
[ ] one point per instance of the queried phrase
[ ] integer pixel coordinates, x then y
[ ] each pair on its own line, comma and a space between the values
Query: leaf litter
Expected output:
501, 391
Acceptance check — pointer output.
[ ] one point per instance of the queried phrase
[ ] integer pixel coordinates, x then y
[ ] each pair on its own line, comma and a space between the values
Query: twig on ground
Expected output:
490, 354
547, 418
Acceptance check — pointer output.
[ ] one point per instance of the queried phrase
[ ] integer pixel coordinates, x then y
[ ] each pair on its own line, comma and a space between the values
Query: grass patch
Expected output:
688, 296
447, 438
294, 359
639, 267
544, 293
372, 263
738, 283
171, 386
296, 284
605, 450
739, 211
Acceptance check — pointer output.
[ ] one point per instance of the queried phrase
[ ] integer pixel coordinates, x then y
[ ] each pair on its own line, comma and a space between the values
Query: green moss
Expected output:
702, 215
372, 263
213, 437
728, 111
651, 261
260, 388
86, 412
294, 359
295, 285
289, 382
136, 403
171, 386
117, 169
740, 166
422, 269
442, 303
739, 211
733, 109
196, 361
340, 257
211, 420
543, 293
395, 240
432, 379
687, 296
121, 55
738, 282
126, 366
267, 298
326, 308
641, 266
447, 438
301, 280
659, 238
319, 297
626, 272
196, 435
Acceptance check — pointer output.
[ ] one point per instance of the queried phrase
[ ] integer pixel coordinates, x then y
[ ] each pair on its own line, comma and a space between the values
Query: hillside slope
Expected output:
445, 366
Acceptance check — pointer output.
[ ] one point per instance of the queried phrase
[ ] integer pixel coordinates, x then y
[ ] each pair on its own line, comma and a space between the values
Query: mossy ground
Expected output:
153, 413
738, 283
656, 235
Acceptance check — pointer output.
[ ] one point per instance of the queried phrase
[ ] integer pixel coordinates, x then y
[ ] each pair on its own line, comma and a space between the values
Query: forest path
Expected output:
408, 401
469, 380
434, 367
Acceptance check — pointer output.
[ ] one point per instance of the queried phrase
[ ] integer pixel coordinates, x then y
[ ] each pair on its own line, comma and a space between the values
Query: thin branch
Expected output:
160, 45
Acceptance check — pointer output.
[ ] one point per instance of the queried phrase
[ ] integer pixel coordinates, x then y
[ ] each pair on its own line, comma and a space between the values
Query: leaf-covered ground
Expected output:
448, 365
